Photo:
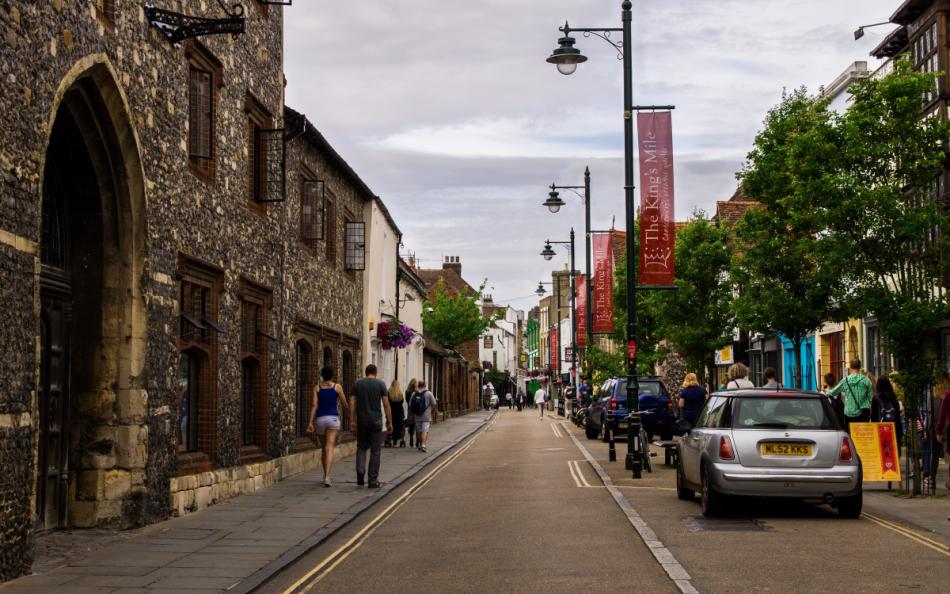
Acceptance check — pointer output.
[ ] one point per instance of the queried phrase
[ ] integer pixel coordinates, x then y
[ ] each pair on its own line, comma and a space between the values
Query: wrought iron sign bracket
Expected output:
177, 27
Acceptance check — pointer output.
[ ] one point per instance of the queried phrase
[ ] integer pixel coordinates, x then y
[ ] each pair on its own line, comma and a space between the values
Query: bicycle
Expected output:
641, 443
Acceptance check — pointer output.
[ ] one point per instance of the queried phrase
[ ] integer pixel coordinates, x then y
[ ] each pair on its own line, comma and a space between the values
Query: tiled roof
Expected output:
454, 284
729, 212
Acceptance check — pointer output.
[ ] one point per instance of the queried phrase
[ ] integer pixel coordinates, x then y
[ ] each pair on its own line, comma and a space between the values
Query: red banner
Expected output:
603, 289
580, 310
657, 227
555, 351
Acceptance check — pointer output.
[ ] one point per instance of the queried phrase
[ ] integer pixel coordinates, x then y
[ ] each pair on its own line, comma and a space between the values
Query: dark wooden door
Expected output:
56, 300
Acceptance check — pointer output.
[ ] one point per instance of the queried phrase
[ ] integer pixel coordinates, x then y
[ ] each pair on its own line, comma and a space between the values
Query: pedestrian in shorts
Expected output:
327, 401
422, 404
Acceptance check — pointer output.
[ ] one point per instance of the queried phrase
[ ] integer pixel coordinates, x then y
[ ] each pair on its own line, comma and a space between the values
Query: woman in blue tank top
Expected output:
327, 399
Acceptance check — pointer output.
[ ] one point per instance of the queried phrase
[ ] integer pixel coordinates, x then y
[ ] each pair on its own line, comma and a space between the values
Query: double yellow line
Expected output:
312, 577
907, 533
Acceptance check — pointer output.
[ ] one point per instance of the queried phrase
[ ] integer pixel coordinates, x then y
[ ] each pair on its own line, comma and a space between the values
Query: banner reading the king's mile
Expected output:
657, 227
603, 289
555, 351
580, 310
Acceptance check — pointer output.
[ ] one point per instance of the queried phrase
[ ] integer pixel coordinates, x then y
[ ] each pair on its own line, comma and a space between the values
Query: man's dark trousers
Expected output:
369, 436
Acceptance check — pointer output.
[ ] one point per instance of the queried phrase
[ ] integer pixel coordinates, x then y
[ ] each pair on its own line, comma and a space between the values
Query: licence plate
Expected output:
785, 449
622, 425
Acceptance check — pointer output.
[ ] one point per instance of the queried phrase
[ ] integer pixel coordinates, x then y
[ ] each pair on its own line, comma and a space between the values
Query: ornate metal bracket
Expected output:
603, 33
177, 27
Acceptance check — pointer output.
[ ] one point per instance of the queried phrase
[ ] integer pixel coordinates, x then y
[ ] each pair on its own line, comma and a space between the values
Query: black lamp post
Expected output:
859, 32
566, 57
548, 253
554, 204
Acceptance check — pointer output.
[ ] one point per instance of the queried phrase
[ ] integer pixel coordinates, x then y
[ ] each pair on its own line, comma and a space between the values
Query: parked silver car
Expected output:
767, 443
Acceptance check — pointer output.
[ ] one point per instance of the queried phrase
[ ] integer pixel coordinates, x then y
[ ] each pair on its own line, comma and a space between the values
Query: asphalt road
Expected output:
519, 509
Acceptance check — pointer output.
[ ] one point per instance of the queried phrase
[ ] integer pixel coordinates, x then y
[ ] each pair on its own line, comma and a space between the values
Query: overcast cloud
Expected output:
449, 112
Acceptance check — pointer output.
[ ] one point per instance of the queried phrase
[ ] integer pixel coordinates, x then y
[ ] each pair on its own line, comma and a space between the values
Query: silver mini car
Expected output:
769, 443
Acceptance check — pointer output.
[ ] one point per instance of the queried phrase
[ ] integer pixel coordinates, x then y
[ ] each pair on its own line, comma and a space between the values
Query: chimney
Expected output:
452, 263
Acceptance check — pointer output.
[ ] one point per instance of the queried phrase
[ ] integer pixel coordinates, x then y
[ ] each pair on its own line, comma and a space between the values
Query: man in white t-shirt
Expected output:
539, 400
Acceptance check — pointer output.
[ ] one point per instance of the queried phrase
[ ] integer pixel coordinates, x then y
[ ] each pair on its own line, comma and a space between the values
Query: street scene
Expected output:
495, 297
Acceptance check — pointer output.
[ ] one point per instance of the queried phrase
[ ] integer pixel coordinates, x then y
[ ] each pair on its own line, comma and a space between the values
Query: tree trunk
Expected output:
797, 373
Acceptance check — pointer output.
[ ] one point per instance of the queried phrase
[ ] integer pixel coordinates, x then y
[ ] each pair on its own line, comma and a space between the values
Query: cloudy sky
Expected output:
449, 112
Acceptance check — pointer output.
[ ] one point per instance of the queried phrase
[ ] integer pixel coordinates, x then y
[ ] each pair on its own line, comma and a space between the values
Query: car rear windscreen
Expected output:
772, 412
644, 386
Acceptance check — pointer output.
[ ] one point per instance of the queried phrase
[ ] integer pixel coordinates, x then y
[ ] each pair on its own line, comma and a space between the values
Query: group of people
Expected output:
859, 397
375, 413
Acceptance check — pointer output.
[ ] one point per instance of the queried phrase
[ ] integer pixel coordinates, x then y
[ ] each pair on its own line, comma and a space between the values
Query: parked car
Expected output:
764, 443
612, 403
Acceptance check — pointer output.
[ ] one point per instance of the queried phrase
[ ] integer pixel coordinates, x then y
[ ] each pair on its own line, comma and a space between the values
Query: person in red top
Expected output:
943, 424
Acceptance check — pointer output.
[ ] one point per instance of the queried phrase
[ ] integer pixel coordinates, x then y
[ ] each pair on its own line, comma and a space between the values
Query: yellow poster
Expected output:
876, 445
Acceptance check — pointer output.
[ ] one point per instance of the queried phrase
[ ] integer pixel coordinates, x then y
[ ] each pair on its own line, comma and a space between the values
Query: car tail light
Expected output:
725, 449
669, 405
846, 454
613, 403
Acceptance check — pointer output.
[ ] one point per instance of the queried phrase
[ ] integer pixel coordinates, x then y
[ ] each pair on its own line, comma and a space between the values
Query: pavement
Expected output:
232, 546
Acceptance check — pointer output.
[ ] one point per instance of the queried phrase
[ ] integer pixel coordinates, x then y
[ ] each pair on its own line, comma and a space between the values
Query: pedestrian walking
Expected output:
692, 398
367, 403
327, 400
410, 419
885, 408
855, 390
422, 404
928, 461
771, 383
738, 377
943, 426
539, 398
396, 405
520, 399
509, 400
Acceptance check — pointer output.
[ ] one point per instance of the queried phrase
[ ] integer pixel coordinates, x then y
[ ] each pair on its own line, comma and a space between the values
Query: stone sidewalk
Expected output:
239, 543
931, 514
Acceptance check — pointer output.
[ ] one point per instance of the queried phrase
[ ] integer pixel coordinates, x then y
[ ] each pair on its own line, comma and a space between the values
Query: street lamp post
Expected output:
549, 253
554, 204
566, 58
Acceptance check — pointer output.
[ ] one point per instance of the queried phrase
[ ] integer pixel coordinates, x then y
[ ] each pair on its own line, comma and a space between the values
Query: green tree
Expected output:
697, 317
601, 365
890, 222
454, 319
787, 271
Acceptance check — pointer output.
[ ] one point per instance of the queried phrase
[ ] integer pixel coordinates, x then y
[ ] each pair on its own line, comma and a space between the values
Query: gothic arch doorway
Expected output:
92, 315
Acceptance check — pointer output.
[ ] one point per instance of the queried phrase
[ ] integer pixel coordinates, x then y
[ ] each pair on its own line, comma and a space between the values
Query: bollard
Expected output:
612, 451
634, 462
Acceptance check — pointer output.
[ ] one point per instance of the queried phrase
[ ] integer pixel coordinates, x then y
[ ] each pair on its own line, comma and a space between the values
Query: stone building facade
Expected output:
167, 289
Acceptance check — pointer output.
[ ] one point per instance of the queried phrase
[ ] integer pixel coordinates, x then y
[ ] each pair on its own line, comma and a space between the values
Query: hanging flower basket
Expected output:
394, 334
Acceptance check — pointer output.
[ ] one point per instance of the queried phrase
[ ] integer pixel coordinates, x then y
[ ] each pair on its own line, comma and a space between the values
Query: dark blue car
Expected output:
612, 404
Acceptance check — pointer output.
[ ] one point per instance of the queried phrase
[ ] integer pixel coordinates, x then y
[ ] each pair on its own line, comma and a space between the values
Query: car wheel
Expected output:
850, 507
682, 491
590, 432
712, 502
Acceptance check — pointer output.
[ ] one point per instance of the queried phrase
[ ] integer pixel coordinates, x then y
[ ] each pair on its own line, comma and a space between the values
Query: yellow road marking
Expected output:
919, 538
339, 555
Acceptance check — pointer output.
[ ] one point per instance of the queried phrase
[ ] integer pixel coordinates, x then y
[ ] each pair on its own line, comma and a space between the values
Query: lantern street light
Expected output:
554, 204
549, 253
566, 57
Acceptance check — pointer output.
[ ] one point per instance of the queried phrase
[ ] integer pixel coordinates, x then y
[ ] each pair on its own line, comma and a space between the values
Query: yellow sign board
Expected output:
876, 445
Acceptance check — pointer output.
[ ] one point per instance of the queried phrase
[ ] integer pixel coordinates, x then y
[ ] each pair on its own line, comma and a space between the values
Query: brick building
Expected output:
178, 255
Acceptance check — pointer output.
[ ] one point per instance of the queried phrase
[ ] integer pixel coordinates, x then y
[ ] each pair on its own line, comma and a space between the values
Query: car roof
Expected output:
772, 392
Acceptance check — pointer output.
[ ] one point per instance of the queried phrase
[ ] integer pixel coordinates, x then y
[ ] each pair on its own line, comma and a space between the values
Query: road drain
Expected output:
702, 524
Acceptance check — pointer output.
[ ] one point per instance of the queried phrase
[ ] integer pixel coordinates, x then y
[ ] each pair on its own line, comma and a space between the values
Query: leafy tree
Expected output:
454, 319
890, 222
648, 353
787, 270
601, 365
697, 317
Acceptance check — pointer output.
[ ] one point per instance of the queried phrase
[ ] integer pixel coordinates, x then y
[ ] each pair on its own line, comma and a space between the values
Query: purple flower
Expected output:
394, 334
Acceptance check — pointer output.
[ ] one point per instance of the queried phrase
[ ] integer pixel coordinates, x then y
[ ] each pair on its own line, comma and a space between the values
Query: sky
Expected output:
449, 112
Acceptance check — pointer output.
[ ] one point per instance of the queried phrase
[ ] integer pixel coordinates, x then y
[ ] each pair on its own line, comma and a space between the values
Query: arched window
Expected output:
306, 379
328, 360
348, 377
250, 385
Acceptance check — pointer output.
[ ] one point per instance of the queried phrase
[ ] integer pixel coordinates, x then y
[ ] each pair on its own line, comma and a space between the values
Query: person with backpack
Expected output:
422, 404
410, 422
856, 391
